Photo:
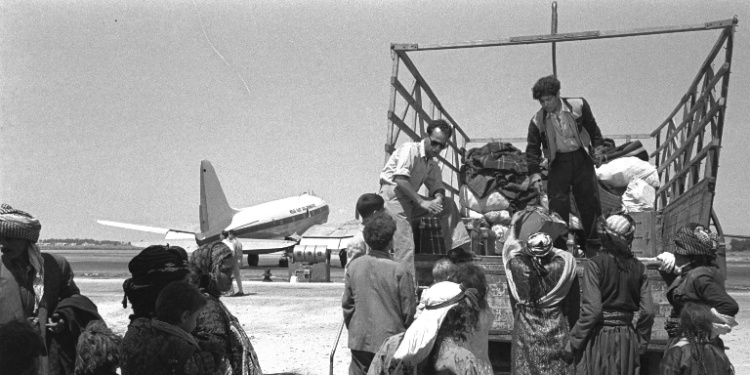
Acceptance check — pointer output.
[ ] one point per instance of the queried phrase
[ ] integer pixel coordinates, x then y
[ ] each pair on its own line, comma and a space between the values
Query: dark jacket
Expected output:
701, 285
378, 302
538, 138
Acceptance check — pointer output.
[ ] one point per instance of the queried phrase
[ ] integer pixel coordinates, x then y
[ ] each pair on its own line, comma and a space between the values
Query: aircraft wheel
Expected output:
284, 262
252, 260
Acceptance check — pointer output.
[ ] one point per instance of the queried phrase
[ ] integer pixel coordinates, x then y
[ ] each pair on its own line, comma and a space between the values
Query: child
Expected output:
443, 270
167, 345
367, 205
378, 299
20, 348
177, 309
98, 350
698, 351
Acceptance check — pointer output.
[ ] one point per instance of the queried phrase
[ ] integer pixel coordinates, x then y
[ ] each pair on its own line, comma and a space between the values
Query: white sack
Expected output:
492, 202
639, 197
619, 172
498, 217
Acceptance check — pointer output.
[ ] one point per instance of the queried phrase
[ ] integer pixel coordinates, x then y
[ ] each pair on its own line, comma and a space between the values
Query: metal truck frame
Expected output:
687, 151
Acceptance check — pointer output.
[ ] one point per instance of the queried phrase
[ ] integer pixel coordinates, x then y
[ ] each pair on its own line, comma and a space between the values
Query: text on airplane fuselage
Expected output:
301, 209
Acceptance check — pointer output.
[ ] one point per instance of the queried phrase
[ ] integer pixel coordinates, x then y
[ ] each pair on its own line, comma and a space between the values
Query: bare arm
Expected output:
404, 186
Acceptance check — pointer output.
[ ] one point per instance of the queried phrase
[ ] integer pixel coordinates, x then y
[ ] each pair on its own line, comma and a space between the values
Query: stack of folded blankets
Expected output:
495, 184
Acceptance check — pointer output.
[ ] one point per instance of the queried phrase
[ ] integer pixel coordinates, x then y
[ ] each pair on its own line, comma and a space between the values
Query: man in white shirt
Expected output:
230, 239
409, 167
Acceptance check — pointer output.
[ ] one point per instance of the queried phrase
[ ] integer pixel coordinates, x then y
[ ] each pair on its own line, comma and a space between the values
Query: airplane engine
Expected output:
311, 263
310, 254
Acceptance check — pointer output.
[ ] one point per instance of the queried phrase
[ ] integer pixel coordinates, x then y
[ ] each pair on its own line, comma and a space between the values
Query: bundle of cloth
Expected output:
495, 184
627, 173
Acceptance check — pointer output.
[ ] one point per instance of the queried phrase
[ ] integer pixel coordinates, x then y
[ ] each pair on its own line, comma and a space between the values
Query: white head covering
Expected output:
420, 337
17, 224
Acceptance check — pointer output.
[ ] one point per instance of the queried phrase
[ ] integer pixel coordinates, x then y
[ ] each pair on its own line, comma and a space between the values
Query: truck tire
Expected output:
252, 260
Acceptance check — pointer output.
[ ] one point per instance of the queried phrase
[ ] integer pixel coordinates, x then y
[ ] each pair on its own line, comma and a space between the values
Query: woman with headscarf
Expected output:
39, 287
541, 279
477, 338
436, 342
615, 286
695, 278
211, 268
153, 269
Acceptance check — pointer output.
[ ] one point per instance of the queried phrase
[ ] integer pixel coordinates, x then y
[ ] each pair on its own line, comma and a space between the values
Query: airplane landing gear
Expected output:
283, 262
252, 260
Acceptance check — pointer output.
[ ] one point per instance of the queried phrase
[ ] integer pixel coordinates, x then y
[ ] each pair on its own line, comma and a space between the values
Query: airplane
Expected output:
263, 229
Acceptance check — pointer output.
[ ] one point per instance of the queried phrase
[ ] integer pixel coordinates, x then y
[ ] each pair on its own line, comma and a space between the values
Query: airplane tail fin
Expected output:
215, 212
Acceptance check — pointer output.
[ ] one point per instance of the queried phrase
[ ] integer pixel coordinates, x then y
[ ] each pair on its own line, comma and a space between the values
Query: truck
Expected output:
686, 156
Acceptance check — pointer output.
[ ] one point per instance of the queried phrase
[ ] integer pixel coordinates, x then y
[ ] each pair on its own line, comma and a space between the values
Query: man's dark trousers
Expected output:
361, 361
575, 170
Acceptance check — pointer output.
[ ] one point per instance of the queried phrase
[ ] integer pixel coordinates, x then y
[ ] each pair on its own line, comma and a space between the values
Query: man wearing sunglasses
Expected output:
563, 129
412, 165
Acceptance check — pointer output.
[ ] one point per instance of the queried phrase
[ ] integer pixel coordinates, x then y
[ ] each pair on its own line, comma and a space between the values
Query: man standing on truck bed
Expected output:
409, 167
563, 128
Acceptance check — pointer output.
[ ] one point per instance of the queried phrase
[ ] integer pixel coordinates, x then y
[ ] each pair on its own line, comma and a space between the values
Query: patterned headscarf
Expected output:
690, 241
616, 234
152, 269
205, 266
17, 224
539, 244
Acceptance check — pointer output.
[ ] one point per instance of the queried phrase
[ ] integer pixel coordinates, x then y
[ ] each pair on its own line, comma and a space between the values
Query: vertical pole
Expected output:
390, 141
554, 31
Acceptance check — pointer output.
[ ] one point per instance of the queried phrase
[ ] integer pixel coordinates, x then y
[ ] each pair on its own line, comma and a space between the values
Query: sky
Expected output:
108, 107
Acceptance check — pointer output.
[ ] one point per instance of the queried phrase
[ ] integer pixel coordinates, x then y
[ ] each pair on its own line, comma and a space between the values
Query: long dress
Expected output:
604, 335
231, 347
540, 332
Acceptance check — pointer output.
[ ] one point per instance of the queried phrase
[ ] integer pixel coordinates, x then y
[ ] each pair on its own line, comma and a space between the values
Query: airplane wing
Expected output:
334, 237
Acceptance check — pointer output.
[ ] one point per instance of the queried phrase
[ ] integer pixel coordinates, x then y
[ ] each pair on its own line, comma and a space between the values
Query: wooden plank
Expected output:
706, 93
523, 139
714, 144
687, 142
564, 37
390, 141
707, 62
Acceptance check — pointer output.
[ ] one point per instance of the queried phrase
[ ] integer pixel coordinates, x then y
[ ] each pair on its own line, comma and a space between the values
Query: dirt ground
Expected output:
293, 326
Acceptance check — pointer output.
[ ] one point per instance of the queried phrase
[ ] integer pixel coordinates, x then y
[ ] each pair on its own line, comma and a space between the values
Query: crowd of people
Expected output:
179, 324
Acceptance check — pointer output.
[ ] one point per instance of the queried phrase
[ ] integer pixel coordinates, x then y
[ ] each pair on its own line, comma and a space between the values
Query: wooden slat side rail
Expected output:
706, 63
418, 76
688, 141
403, 126
699, 103
724, 70
564, 37
410, 100
693, 162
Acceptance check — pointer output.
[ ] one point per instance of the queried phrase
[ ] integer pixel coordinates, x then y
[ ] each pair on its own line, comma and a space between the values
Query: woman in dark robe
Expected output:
211, 268
615, 286
540, 280
696, 277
